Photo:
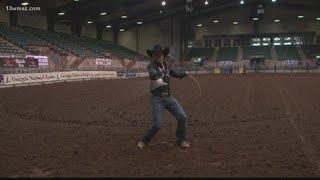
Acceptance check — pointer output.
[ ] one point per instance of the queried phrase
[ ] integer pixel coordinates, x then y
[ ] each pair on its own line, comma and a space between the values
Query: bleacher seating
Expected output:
287, 53
120, 50
254, 51
85, 46
227, 54
6, 49
65, 44
200, 52
87, 42
311, 50
20, 38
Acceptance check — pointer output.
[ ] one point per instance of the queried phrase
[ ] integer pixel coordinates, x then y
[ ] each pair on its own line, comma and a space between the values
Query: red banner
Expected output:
9, 62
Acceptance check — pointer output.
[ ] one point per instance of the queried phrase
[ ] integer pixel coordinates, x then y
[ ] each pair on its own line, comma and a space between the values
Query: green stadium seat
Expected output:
287, 53
227, 54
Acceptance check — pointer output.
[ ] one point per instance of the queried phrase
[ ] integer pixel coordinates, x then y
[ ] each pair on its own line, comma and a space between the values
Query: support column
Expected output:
13, 15
137, 39
115, 36
76, 24
13, 18
50, 19
99, 31
76, 29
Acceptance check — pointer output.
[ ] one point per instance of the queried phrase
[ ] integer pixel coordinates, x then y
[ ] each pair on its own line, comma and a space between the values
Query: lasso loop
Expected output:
199, 87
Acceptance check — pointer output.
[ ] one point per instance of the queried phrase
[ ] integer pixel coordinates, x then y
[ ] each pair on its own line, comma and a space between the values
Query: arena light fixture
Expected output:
139, 22
61, 13
122, 30
216, 21
277, 20
241, 2
76, 0
199, 25
206, 3
274, 1
89, 22
103, 13
300, 17
318, 18
108, 26
235, 22
163, 3
255, 19
124, 16
25, 3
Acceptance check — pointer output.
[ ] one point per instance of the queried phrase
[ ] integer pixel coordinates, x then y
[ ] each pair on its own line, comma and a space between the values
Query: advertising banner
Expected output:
31, 62
8, 62
55, 76
42, 60
1, 79
103, 62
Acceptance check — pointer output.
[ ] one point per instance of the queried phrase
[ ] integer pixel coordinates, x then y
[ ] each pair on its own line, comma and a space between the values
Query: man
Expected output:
162, 98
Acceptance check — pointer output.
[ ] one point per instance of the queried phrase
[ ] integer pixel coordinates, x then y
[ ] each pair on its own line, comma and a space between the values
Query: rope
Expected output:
195, 80
198, 84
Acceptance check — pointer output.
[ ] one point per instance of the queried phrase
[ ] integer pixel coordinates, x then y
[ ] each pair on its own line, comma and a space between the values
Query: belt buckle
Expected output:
163, 94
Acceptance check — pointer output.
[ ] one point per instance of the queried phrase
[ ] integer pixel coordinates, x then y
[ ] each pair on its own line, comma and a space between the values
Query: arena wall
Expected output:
32, 19
89, 30
128, 39
4, 15
107, 35
62, 27
148, 35
288, 22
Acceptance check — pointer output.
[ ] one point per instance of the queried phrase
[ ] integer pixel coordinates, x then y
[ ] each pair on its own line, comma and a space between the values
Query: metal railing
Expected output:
195, 69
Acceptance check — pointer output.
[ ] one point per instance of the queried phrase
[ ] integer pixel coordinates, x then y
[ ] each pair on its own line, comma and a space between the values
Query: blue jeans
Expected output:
173, 106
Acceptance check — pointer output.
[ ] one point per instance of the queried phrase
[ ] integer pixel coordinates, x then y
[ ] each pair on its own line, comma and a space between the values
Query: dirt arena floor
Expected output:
250, 125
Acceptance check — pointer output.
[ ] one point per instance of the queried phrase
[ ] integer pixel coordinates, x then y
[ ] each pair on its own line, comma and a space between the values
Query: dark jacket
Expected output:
156, 72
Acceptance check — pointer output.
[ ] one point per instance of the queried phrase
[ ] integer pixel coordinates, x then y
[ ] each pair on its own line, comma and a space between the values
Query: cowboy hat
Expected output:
158, 48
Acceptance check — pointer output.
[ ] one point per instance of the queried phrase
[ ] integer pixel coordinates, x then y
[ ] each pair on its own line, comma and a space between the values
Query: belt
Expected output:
162, 94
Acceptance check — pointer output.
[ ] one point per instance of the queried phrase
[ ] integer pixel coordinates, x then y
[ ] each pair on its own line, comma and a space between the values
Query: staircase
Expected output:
215, 54
77, 62
301, 53
55, 59
240, 54
274, 55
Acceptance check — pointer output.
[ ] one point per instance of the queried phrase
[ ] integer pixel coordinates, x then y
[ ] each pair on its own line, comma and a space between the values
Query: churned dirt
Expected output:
250, 125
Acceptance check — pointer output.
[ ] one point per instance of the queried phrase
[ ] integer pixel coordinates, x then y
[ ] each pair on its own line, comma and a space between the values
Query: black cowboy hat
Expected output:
158, 48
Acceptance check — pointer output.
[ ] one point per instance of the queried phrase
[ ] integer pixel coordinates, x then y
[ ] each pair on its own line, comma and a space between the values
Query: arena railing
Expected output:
193, 69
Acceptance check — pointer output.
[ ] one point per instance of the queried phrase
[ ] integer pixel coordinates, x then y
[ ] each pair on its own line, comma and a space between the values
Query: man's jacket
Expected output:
156, 72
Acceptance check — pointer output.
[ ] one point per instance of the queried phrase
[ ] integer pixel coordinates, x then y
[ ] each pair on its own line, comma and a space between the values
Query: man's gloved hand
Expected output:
161, 82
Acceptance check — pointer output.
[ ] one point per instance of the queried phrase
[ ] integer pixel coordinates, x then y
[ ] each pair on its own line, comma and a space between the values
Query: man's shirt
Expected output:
156, 72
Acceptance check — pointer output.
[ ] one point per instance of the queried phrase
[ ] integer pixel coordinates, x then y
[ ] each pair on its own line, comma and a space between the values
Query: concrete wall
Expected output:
89, 30
225, 26
62, 27
107, 35
287, 16
32, 19
128, 39
288, 20
4, 15
148, 35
